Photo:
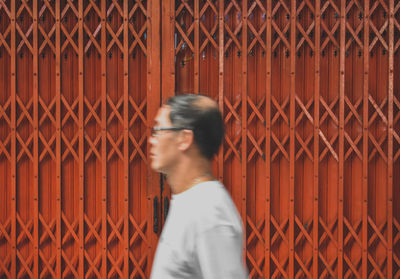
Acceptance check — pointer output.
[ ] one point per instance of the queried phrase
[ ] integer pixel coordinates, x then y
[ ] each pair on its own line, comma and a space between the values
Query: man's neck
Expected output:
189, 173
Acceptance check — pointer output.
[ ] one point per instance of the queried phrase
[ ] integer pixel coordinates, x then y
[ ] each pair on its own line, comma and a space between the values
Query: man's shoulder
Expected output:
214, 206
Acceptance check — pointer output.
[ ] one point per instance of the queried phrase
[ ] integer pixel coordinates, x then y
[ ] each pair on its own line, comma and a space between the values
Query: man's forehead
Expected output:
162, 114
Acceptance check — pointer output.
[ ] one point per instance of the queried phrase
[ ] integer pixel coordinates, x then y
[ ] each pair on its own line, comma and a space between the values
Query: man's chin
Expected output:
157, 168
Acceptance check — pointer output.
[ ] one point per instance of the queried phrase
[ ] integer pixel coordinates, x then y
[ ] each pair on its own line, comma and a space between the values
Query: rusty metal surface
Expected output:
311, 101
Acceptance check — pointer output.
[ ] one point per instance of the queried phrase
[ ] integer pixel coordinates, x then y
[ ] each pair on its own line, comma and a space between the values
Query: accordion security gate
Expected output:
311, 101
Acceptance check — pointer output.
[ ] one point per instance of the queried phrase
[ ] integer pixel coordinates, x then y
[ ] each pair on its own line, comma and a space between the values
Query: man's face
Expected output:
163, 145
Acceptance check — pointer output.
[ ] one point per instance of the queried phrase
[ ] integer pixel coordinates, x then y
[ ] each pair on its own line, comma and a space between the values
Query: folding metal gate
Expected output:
311, 103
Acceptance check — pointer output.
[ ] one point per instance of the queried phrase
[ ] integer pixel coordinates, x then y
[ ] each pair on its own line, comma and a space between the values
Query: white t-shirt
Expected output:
202, 236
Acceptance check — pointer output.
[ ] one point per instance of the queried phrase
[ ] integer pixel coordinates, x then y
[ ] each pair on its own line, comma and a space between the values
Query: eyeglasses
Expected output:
155, 130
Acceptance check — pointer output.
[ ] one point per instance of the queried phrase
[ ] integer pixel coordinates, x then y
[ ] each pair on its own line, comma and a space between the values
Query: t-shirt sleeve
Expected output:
219, 253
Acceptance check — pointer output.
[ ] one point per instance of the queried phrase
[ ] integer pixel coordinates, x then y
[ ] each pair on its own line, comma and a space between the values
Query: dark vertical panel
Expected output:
232, 72
47, 156
255, 156
243, 207
13, 143
305, 90
389, 248
396, 142
92, 157
153, 86
69, 129
35, 140
342, 70
378, 75
6, 145
221, 39
280, 138
114, 137
144, 97
365, 118
268, 143
58, 190
81, 142
316, 192
26, 240
125, 116
185, 46
103, 132
353, 110
329, 104
292, 133
168, 52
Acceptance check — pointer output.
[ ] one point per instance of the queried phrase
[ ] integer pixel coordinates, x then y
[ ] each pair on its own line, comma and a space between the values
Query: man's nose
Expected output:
152, 139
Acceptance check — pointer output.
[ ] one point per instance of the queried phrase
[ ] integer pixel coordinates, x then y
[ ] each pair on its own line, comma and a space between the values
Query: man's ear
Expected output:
186, 138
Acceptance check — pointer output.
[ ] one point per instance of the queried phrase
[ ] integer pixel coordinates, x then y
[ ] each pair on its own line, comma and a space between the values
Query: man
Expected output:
202, 236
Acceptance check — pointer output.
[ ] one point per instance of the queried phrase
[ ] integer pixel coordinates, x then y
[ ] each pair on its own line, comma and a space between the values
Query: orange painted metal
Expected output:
311, 155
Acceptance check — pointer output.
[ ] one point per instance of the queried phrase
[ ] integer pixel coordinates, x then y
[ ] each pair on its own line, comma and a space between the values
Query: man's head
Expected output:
189, 125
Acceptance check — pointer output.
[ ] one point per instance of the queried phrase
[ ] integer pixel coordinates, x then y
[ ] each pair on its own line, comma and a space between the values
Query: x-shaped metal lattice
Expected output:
48, 144
351, 238
396, 22
4, 116
255, 115
70, 238
93, 34
141, 31
29, 31
70, 117
232, 144
115, 235
302, 238
353, 30
280, 30
47, 235
25, 144
48, 35
4, 37
306, 32
280, 113
92, 114
5, 233
184, 33
69, 34
233, 26
352, 114
377, 144
209, 9
25, 235
255, 235
329, 143
115, 35
331, 33
299, 118
396, 135
115, 114
377, 235
138, 235
138, 114
256, 35
378, 34
278, 238
327, 236
396, 243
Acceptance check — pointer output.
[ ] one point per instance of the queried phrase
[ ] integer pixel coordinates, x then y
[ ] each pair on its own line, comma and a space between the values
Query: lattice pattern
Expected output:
256, 139
104, 120
46, 136
25, 133
69, 103
5, 141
